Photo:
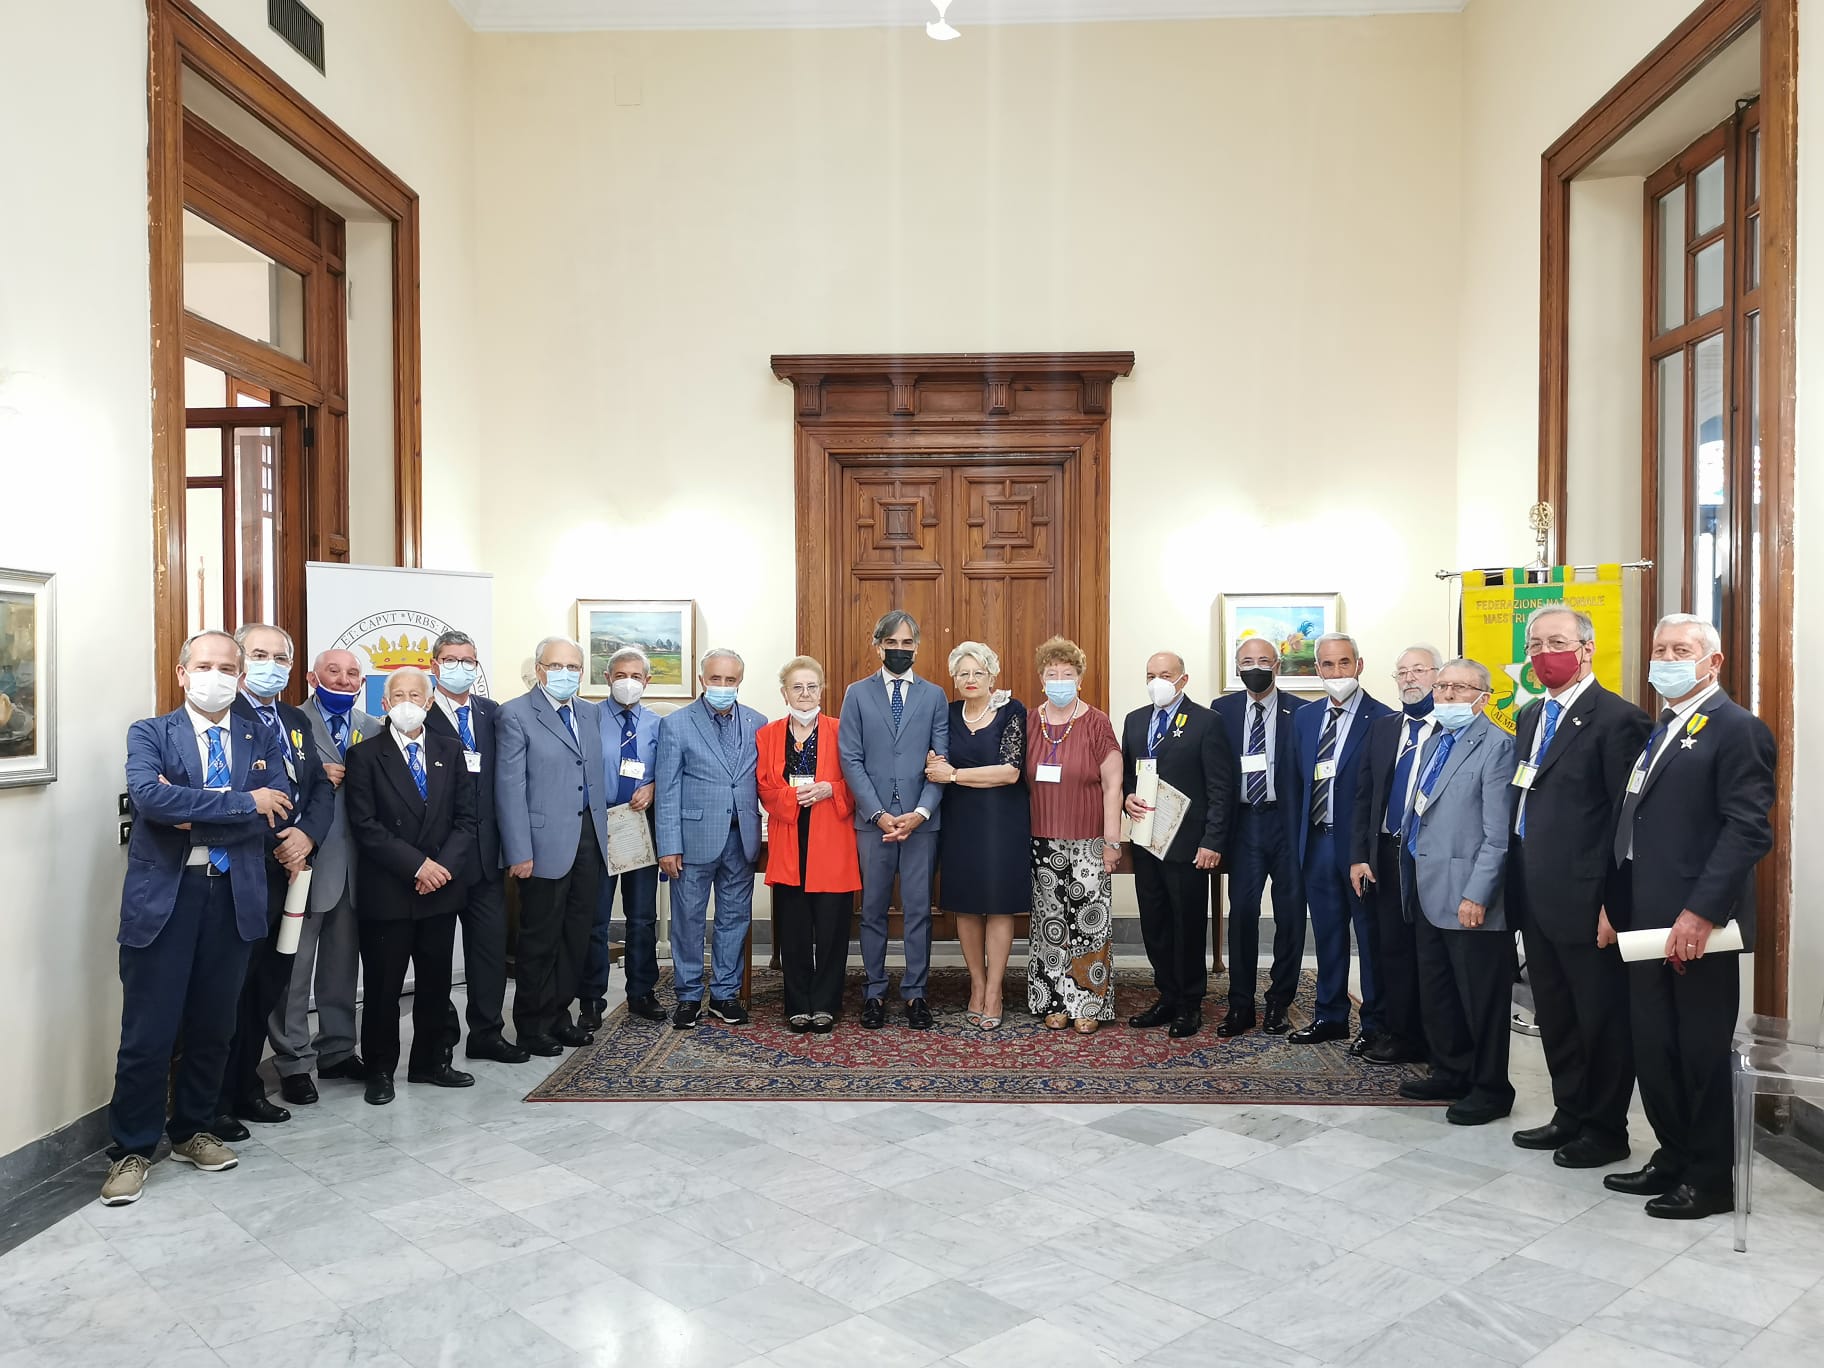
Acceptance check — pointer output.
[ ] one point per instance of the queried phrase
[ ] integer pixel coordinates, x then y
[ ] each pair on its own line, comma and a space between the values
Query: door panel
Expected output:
1008, 590
896, 557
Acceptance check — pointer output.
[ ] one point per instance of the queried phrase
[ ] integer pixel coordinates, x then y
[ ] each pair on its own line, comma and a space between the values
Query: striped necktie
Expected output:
1326, 750
416, 762
1257, 745
217, 777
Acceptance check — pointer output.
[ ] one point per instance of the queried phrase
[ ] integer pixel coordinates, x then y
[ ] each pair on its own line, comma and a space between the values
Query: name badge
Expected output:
633, 769
473, 760
1420, 803
1146, 768
1524, 775
1636, 779
1326, 769
1254, 764
1049, 774
798, 780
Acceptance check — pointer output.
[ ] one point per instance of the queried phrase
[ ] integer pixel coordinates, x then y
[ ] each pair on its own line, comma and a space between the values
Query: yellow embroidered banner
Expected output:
1494, 628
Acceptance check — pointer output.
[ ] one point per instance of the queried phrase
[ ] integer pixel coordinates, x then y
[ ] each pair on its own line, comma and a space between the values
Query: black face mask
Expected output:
1257, 680
898, 661
1420, 709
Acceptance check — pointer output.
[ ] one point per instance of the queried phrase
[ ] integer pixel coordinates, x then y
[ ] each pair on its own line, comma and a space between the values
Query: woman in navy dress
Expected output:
984, 869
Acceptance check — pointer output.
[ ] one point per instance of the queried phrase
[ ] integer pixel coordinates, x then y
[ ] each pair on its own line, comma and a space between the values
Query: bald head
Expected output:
336, 670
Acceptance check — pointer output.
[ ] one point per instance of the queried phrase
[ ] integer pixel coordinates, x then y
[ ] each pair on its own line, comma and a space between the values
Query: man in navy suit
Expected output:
206, 790
891, 722
266, 656
1331, 741
1263, 838
460, 714
630, 743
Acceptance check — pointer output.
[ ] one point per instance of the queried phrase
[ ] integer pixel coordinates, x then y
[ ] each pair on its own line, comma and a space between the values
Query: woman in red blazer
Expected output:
811, 864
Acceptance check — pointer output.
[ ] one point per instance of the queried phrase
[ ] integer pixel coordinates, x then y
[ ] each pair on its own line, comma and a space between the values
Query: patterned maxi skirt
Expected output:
1072, 969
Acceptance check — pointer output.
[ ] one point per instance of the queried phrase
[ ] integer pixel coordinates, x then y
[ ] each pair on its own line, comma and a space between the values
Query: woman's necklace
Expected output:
976, 722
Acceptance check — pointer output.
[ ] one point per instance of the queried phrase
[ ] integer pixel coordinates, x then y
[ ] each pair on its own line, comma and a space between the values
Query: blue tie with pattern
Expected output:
630, 732
1426, 783
1257, 745
1161, 720
899, 704
269, 714
1395, 820
1554, 710
338, 732
462, 728
217, 777
563, 711
413, 759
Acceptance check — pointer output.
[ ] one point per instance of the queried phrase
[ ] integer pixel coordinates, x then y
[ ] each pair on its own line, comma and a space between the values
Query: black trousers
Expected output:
1174, 899
1684, 1026
1401, 1017
387, 947
484, 961
813, 932
1263, 850
1466, 994
268, 980
554, 920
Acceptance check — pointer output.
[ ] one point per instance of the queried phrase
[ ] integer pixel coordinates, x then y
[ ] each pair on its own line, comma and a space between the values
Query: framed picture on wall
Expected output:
28, 678
1292, 622
666, 629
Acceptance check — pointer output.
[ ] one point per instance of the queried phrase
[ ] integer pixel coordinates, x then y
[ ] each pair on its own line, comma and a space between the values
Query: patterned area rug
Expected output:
640, 1061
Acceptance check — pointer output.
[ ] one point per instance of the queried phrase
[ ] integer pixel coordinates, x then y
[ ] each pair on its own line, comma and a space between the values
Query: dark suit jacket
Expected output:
1701, 824
315, 795
1194, 759
1374, 786
486, 859
1233, 710
1564, 865
1308, 727
397, 830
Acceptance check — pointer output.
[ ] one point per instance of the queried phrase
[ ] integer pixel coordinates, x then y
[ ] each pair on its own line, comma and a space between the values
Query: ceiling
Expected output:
563, 16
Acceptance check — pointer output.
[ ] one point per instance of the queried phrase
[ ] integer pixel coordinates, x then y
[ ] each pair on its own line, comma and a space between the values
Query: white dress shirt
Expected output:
909, 678
199, 854
1271, 719
1564, 701
1426, 727
1680, 716
1343, 723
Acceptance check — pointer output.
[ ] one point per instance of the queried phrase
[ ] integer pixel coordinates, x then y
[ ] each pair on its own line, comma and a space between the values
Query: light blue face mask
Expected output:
267, 678
1672, 678
1061, 692
457, 676
1454, 716
562, 684
719, 696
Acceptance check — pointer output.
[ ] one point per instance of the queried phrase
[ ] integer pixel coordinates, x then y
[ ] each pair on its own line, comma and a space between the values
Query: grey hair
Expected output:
538, 651
1586, 629
1354, 650
1259, 640
452, 638
183, 653
980, 651
1481, 670
631, 653
241, 634
723, 653
1713, 643
1430, 652
891, 621
404, 672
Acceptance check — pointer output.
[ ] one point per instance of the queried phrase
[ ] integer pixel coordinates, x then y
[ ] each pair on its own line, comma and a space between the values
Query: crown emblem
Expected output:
397, 655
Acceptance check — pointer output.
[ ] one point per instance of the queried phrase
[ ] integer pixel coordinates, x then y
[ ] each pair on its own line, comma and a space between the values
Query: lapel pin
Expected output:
1576, 721
436, 764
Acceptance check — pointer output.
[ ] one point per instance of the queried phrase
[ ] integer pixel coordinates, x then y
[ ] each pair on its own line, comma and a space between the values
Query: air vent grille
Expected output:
299, 27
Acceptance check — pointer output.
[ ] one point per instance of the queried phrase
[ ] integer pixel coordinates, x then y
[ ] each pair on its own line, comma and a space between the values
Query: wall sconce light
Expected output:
941, 30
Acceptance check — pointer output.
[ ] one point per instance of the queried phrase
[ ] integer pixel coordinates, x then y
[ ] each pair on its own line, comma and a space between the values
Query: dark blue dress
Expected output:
985, 841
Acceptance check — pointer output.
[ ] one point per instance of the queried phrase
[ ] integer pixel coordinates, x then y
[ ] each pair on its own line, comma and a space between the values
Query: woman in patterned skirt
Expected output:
1073, 768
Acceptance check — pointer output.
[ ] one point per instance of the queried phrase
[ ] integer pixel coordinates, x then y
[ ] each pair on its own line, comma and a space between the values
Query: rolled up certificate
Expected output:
291, 924
1146, 789
1651, 944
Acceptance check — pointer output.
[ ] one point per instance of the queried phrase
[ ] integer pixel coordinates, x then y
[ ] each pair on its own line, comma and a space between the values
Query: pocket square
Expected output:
259, 764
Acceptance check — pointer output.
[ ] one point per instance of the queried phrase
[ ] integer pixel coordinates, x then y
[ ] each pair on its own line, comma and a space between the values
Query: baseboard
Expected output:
49, 1155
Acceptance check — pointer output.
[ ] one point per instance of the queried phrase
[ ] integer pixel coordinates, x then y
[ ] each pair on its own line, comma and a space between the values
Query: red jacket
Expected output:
833, 866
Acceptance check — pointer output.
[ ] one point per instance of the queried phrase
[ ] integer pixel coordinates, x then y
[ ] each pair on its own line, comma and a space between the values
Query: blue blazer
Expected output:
645, 744
165, 747
1232, 709
315, 812
1308, 726
701, 793
886, 768
1461, 840
485, 862
540, 777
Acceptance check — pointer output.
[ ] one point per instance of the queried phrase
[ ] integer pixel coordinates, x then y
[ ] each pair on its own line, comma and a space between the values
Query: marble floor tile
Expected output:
371, 1276
1489, 1327
733, 1215
953, 1248
1606, 1257
948, 1317
1310, 1324
1201, 1282
1625, 1218
1401, 1346
1329, 1217
608, 1309
1125, 1322
1146, 1125
1373, 1285
1346, 1145
1036, 1342
1224, 1148
534, 1187
858, 1340
1584, 1347
590, 1213
1033, 1279
1298, 1169
1499, 1228
680, 1345
1721, 1290
1804, 1318
1426, 1168
1547, 1288
1771, 1349
1535, 1197
773, 1314
1277, 1125
867, 1278
1673, 1327
538, 1275
1262, 1248
226, 1317
1220, 1345
959, 1193
346, 1343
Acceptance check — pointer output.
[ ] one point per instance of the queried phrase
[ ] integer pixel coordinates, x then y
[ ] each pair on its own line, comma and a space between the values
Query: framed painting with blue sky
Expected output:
1292, 622
666, 629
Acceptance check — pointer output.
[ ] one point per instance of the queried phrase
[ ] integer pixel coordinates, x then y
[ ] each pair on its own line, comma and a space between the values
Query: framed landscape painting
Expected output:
666, 629
28, 684
1292, 622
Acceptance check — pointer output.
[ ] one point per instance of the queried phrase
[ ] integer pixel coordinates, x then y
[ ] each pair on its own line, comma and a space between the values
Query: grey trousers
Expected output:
329, 951
912, 860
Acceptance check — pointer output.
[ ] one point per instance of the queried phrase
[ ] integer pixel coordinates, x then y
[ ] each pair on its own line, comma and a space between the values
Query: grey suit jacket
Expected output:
541, 773
884, 765
1461, 849
702, 790
332, 869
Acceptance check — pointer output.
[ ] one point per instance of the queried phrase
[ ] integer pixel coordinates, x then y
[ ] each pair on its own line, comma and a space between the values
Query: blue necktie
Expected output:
1658, 735
1402, 776
729, 731
412, 759
1427, 782
1326, 750
1554, 710
1161, 720
216, 776
270, 716
462, 728
899, 704
629, 751
338, 732
1257, 745
563, 711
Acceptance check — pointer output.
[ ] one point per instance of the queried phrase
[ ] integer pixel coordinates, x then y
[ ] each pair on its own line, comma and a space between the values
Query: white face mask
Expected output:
1161, 691
627, 692
805, 716
209, 691
405, 717
1342, 689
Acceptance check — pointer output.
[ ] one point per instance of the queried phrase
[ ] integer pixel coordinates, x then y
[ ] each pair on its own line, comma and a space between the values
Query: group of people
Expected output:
1425, 830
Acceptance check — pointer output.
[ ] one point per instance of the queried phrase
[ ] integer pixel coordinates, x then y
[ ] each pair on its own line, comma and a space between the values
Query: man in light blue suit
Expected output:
891, 723
709, 835
1453, 857
550, 805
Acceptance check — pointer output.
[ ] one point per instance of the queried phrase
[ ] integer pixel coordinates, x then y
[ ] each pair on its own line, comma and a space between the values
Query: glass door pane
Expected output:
1671, 258
1710, 483
1669, 383
235, 542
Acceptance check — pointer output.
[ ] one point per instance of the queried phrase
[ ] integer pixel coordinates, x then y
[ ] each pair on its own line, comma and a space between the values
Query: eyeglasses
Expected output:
972, 676
1415, 673
804, 688
278, 657
1458, 690
1533, 647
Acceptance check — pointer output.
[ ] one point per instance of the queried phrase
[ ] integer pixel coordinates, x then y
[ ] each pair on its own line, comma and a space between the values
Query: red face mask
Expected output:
1555, 669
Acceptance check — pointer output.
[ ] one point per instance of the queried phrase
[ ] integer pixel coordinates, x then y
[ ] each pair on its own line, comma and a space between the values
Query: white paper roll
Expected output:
1146, 789
291, 924
1651, 945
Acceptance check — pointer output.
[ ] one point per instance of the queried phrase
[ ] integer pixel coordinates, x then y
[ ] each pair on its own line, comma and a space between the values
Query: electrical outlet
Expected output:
126, 832
126, 806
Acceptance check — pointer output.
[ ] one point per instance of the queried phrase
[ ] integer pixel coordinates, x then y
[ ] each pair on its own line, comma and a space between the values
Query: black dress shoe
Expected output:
1686, 1203
1232, 1025
1275, 1022
260, 1110
590, 1017
349, 1067
443, 1076
542, 1045
822, 1023
379, 1089
225, 1127
1161, 1013
729, 1011
297, 1089
1391, 1049
686, 1017
1363, 1042
1587, 1152
647, 1007
873, 1014
1477, 1113
1433, 1089
918, 1015
799, 1024
1651, 1181
1186, 1024
566, 1034
1550, 1136
1320, 1031
497, 1048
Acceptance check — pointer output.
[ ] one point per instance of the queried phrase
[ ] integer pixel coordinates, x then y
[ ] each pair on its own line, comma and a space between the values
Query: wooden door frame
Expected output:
1710, 28
954, 408
180, 35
